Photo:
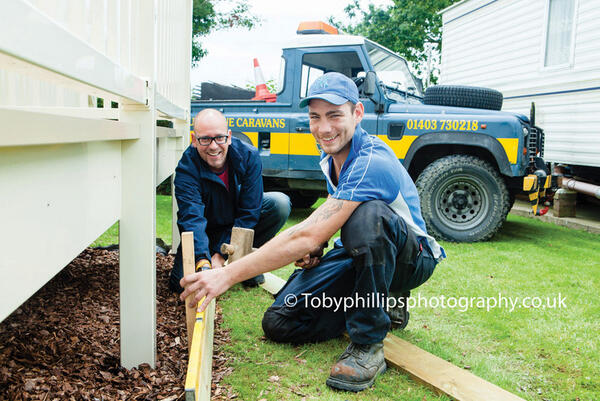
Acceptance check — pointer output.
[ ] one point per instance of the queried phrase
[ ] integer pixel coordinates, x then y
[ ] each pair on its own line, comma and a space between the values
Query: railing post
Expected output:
182, 127
180, 146
176, 239
137, 236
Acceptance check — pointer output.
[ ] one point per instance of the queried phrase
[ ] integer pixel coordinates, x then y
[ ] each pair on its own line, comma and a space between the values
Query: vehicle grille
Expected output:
535, 143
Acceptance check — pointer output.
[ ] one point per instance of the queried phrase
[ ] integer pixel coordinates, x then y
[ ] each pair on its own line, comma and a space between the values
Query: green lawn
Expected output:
538, 354
163, 224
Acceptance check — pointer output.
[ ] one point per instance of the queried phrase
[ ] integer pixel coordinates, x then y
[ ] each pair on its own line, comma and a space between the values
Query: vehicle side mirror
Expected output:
370, 83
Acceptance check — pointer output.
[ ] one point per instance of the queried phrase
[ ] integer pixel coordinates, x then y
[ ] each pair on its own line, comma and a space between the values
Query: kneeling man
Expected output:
384, 249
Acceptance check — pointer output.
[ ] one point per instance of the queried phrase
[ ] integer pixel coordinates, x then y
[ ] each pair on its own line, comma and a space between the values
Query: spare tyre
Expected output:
463, 96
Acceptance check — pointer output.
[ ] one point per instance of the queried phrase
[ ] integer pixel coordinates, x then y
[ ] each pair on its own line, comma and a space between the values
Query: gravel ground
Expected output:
63, 343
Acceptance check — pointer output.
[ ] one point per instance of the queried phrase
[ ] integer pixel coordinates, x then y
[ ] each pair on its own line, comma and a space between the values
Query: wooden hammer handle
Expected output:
227, 249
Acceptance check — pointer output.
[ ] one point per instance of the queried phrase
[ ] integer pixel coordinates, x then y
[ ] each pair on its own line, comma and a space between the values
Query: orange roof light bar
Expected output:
315, 27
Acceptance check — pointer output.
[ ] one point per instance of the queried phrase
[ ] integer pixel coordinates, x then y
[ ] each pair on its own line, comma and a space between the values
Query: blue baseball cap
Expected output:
332, 87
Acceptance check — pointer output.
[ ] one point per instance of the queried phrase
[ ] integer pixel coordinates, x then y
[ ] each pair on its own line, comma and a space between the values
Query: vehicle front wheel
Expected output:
512, 197
463, 198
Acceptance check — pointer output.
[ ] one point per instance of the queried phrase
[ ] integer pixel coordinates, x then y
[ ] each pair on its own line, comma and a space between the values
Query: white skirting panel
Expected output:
54, 201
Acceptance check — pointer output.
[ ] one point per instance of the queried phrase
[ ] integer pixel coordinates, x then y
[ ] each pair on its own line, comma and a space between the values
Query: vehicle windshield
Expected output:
393, 72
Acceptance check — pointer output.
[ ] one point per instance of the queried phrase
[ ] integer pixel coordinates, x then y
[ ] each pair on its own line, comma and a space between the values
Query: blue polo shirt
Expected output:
373, 172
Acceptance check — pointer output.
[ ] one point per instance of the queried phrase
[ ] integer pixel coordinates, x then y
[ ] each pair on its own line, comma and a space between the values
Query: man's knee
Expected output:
367, 225
176, 273
278, 205
278, 326
283, 325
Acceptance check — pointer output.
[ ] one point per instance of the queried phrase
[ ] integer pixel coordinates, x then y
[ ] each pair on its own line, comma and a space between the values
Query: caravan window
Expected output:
559, 32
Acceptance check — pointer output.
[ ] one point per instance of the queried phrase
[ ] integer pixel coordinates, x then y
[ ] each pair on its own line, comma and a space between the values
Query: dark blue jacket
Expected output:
205, 205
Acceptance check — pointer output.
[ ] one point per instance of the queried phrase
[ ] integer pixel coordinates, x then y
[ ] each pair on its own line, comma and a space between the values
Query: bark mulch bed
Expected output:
63, 343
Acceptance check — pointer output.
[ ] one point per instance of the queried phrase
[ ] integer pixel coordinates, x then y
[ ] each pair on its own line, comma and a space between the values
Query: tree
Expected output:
272, 86
206, 19
411, 28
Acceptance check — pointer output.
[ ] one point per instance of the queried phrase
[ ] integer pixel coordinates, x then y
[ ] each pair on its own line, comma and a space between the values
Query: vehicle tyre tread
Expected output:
463, 96
465, 164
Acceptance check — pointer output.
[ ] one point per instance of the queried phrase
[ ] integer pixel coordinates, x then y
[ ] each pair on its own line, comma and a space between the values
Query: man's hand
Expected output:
217, 260
209, 283
287, 247
312, 259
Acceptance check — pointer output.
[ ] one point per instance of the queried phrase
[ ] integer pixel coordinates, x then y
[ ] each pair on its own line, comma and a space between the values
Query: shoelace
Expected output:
356, 350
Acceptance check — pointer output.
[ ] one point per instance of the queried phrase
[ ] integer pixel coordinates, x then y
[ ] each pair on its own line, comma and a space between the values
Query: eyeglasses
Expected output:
206, 140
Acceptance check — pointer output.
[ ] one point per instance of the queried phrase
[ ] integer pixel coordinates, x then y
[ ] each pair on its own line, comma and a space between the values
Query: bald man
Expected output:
218, 185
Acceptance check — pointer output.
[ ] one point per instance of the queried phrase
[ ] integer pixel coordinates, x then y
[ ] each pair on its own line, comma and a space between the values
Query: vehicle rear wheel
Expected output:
463, 198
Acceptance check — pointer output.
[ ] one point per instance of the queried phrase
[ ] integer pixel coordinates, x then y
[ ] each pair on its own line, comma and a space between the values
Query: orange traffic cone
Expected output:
262, 93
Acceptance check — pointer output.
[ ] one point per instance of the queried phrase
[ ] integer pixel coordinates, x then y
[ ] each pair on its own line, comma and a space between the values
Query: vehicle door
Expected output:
314, 62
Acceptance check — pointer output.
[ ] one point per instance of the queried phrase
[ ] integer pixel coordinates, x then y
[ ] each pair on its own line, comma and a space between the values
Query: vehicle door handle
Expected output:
302, 129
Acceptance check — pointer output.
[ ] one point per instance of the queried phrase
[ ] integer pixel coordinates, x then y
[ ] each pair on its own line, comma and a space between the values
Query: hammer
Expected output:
241, 244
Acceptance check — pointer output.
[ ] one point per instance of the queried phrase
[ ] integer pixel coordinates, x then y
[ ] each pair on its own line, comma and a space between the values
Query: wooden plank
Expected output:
199, 371
272, 283
205, 373
189, 267
426, 368
441, 375
192, 384
200, 327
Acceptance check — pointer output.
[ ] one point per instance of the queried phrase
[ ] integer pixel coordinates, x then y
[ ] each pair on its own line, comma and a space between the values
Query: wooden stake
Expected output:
189, 267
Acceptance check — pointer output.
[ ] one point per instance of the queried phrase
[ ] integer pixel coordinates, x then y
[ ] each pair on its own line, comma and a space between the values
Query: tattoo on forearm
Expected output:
292, 230
328, 209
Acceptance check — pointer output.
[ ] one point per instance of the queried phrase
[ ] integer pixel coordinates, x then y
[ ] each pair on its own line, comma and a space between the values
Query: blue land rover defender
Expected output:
468, 159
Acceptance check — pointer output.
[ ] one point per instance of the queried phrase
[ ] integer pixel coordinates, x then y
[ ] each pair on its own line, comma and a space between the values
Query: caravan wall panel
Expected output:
501, 45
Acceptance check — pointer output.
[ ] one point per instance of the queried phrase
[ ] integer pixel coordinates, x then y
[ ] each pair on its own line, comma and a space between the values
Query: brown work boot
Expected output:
357, 367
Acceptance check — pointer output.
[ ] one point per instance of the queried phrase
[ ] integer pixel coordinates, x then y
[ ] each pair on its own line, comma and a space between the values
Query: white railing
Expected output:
70, 169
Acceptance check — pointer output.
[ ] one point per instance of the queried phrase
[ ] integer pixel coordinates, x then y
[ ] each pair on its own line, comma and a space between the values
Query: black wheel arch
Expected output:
242, 137
432, 146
